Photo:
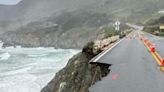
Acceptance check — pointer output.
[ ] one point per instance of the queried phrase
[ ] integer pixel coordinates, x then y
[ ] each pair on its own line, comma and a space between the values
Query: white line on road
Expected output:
103, 53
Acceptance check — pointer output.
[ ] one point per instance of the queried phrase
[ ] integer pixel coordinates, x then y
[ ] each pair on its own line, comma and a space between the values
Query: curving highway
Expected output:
133, 67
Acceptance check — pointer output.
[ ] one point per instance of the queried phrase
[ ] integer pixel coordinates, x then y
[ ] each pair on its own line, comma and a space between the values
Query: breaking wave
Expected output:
30, 69
4, 56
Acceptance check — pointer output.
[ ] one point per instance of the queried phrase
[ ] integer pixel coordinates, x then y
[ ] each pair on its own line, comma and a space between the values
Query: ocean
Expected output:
30, 69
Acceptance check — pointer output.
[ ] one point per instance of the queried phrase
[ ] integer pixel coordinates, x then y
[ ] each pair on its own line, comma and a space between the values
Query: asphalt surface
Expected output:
133, 68
158, 42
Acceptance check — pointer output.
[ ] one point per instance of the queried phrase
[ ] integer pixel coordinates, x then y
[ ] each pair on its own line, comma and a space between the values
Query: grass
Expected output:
110, 31
153, 30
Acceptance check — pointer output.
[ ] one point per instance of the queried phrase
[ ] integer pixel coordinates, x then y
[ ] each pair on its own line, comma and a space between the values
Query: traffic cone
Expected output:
145, 40
162, 62
152, 48
148, 44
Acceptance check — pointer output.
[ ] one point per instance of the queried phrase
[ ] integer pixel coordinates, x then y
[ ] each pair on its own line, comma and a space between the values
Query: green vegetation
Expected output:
110, 31
152, 26
156, 20
161, 34
151, 29
154, 30
69, 20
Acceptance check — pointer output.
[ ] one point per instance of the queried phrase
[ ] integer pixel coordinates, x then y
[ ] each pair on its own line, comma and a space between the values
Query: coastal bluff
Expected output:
79, 74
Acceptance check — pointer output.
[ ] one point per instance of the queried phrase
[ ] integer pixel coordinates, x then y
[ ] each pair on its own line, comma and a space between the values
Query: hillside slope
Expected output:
32, 10
74, 17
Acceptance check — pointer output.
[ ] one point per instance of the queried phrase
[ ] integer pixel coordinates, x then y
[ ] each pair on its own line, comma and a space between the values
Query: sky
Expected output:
10, 2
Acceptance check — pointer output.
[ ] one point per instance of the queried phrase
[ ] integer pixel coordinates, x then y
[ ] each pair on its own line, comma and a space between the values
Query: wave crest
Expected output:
5, 56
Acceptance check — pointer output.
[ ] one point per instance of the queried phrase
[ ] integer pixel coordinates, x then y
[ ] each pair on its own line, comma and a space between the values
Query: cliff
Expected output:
79, 74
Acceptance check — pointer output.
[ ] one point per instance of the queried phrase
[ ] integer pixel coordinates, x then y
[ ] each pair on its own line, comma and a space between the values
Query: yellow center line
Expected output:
162, 69
157, 57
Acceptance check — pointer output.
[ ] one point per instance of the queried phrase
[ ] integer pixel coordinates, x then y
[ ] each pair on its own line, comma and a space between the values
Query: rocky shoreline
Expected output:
79, 74
49, 37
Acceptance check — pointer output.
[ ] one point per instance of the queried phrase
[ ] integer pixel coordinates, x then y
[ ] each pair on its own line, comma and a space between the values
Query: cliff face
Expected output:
79, 74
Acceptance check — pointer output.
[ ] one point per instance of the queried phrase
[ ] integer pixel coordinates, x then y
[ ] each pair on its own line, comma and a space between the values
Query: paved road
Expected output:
158, 42
133, 69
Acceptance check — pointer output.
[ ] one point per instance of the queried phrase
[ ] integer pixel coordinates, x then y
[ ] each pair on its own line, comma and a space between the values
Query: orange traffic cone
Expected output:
162, 62
152, 48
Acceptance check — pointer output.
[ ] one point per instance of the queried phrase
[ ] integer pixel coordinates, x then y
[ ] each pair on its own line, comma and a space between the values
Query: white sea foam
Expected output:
37, 55
1, 44
23, 70
11, 47
19, 83
161, 11
30, 69
4, 56
18, 46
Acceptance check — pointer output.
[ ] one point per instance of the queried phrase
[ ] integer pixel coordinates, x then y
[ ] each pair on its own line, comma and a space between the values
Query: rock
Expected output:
79, 74
61, 87
101, 44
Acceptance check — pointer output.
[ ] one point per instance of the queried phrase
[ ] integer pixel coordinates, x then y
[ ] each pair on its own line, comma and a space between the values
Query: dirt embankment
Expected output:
79, 74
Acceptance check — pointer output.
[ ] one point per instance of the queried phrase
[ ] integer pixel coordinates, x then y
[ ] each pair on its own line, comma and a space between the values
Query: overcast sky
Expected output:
9, 1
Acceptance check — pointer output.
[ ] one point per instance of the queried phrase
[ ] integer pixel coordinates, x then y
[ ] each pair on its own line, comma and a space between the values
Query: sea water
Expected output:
30, 69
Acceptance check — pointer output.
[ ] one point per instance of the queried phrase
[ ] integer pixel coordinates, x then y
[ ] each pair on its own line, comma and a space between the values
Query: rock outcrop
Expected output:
79, 74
